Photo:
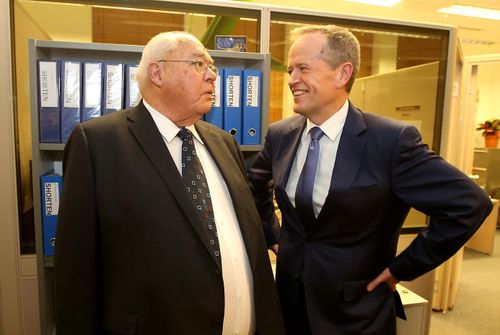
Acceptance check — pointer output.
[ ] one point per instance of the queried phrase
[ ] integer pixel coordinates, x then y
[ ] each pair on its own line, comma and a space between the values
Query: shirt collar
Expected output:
333, 125
167, 128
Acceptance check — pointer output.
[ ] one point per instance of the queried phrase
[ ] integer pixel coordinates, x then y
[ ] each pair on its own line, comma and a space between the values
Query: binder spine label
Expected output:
93, 79
49, 87
133, 90
252, 91
215, 101
51, 192
215, 115
233, 91
71, 94
114, 87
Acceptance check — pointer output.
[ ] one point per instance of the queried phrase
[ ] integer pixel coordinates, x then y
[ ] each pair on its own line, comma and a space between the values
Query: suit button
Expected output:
296, 276
216, 274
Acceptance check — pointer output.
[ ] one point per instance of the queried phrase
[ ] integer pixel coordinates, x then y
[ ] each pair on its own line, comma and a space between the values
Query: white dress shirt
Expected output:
239, 308
328, 146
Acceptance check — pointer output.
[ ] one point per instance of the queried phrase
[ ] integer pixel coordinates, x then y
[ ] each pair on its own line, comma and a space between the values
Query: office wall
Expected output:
409, 95
488, 96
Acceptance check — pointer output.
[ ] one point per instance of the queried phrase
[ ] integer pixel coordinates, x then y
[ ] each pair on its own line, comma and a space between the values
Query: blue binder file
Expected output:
252, 106
113, 87
215, 114
51, 187
91, 90
49, 111
70, 96
232, 102
132, 94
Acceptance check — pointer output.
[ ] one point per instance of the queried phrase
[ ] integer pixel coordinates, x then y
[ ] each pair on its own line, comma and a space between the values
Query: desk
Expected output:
484, 238
416, 313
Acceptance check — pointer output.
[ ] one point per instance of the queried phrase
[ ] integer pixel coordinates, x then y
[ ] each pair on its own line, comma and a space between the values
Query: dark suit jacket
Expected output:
381, 170
131, 255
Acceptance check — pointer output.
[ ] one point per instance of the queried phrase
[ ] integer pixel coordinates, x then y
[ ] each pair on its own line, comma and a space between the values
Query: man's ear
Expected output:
155, 75
344, 74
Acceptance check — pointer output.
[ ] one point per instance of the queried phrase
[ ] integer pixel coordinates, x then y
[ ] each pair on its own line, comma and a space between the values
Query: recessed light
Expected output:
384, 3
484, 13
471, 41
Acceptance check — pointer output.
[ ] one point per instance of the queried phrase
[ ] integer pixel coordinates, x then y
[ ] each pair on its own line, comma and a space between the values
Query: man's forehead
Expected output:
193, 51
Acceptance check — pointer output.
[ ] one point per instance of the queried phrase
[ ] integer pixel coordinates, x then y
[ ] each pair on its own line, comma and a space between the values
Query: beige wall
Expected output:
76, 20
488, 96
10, 297
416, 86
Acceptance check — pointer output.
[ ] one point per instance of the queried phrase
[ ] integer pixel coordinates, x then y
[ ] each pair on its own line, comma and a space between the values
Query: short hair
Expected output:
157, 48
341, 46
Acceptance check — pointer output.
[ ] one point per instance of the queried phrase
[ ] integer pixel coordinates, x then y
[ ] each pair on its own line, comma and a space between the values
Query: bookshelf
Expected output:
48, 156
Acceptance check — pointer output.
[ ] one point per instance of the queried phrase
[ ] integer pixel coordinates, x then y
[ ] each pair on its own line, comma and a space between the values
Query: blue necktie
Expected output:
305, 185
196, 184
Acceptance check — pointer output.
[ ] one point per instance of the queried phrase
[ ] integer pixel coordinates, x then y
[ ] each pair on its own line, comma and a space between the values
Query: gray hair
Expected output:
341, 46
157, 48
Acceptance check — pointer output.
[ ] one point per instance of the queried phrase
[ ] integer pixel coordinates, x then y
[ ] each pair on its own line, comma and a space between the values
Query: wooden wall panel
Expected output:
131, 27
249, 29
416, 51
366, 50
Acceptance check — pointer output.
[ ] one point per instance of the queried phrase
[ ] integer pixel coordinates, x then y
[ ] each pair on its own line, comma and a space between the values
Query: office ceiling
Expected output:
479, 36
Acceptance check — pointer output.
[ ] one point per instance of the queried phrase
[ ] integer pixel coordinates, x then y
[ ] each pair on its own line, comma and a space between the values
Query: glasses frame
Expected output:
200, 66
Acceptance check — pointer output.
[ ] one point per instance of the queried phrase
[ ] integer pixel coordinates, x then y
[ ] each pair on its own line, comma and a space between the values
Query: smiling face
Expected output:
318, 90
186, 93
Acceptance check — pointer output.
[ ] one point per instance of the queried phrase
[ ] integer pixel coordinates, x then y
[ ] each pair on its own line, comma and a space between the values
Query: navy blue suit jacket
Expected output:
382, 169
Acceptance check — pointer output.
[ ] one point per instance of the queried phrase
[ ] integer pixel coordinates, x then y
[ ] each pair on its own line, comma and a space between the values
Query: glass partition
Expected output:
106, 22
402, 74
402, 71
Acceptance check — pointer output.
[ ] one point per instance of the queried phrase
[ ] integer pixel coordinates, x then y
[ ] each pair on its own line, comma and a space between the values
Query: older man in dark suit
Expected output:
158, 232
344, 181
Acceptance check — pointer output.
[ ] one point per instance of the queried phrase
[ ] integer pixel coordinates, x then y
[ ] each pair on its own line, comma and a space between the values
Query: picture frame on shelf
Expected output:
231, 43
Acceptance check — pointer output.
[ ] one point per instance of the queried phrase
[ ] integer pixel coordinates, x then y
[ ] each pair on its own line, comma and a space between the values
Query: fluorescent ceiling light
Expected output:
484, 13
385, 3
470, 41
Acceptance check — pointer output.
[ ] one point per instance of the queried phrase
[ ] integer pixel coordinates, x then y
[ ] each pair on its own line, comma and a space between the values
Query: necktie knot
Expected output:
316, 133
185, 134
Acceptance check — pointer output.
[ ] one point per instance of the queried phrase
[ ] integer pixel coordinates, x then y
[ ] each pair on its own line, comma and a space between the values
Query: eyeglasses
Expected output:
200, 66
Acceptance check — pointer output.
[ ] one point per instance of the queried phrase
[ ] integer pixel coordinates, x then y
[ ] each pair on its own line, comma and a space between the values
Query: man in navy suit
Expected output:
135, 254
344, 191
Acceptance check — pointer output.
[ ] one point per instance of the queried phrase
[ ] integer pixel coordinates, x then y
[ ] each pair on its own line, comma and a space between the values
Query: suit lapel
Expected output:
149, 138
289, 142
348, 160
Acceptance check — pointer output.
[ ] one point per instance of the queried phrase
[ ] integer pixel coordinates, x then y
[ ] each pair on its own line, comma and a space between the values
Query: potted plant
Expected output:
491, 132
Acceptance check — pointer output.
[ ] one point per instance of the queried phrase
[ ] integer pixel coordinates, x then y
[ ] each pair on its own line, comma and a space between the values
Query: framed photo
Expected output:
231, 43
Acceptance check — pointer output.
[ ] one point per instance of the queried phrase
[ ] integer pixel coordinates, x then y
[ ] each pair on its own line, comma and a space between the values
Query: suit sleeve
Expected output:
261, 183
455, 205
76, 260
